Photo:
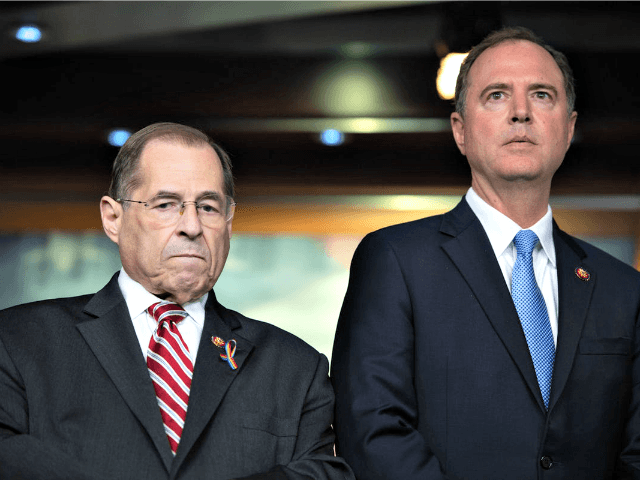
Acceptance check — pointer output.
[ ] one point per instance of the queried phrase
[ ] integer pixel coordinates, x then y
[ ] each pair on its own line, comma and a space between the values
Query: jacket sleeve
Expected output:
22, 455
373, 372
313, 456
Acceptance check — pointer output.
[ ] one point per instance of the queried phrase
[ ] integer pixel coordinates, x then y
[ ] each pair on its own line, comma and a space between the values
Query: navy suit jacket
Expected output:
76, 400
433, 376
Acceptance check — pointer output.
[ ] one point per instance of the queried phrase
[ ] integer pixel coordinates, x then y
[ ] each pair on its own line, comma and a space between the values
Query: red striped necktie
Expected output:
170, 368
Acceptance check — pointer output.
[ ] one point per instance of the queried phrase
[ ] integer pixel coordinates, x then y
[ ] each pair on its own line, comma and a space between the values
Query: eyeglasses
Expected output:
212, 212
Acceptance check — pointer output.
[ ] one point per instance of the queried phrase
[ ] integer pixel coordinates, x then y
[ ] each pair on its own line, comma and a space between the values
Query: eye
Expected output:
496, 95
163, 205
209, 207
543, 95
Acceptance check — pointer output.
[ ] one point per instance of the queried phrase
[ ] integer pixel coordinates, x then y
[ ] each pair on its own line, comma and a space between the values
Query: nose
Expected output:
189, 224
520, 108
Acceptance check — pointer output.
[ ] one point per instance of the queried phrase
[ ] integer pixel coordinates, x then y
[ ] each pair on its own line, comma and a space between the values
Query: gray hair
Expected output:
125, 173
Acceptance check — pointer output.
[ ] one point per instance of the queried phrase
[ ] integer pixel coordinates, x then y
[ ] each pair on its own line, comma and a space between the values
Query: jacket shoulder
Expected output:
606, 262
67, 306
414, 227
45, 319
423, 231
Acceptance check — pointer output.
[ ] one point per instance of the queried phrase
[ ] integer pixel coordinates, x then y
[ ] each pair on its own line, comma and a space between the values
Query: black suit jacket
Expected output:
433, 376
76, 400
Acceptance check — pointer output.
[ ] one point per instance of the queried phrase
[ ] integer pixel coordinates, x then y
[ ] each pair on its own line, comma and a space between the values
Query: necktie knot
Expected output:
167, 311
525, 241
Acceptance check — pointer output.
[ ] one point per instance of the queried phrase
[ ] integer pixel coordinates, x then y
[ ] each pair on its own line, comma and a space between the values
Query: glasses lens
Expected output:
212, 212
164, 210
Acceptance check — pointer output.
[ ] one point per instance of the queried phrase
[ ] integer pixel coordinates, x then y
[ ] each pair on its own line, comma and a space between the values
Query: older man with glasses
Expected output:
151, 378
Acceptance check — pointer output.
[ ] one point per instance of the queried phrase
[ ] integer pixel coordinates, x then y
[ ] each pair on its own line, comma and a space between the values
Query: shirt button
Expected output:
546, 462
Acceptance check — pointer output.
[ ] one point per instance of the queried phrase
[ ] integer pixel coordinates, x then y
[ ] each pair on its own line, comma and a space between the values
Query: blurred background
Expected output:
331, 114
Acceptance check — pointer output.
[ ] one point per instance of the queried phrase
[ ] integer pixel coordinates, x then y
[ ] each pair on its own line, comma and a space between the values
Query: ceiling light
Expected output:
29, 34
448, 74
118, 137
332, 137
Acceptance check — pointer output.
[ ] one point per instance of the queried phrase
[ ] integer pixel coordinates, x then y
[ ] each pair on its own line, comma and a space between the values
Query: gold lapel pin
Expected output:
217, 341
582, 274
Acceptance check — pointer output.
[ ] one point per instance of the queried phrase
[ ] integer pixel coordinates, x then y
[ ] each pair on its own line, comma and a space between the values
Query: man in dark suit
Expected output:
151, 378
486, 343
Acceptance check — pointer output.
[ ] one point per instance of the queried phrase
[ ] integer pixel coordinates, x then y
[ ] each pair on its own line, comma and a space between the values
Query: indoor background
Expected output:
265, 80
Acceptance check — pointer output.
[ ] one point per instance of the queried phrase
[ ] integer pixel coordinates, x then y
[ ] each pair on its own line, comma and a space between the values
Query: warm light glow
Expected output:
354, 88
343, 124
448, 74
419, 202
357, 50
365, 125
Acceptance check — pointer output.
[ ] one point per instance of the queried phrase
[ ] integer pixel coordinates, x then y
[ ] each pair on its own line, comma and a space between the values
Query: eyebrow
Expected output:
532, 87
544, 86
494, 86
208, 194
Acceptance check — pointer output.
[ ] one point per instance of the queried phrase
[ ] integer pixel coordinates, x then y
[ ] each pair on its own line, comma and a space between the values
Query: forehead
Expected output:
515, 60
172, 166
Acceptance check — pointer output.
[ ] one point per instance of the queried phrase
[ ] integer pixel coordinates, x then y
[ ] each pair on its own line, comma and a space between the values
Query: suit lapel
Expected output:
471, 252
212, 376
110, 335
574, 297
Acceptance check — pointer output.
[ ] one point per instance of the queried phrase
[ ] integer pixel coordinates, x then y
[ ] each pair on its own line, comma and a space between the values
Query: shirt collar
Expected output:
501, 229
138, 299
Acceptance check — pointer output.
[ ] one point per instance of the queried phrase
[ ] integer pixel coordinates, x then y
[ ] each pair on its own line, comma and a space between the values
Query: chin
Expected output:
524, 171
186, 293
189, 279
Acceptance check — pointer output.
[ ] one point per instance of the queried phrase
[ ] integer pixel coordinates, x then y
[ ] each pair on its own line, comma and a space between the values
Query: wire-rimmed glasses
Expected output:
212, 211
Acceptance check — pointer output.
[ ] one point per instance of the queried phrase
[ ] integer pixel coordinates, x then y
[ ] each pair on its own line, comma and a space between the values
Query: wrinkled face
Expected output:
184, 260
516, 126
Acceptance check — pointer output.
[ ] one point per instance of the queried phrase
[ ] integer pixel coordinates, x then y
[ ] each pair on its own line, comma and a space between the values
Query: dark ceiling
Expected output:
261, 77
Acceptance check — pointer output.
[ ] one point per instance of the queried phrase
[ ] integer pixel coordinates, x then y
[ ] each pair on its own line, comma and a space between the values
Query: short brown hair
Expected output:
124, 175
504, 35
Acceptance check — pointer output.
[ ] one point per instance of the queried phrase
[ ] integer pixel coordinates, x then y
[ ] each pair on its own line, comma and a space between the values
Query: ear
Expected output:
111, 213
572, 127
457, 127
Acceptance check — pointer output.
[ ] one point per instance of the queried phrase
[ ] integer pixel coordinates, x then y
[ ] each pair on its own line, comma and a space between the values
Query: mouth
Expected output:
520, 140
188, 255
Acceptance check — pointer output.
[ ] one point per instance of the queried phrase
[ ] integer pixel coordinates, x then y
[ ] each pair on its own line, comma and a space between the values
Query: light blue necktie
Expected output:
533, 312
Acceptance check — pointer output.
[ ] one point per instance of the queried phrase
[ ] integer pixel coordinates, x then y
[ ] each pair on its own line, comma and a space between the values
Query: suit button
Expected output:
546, 462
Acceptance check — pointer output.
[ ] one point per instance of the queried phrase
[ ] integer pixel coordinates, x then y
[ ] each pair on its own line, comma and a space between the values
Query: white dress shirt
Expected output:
138, 300
501, 230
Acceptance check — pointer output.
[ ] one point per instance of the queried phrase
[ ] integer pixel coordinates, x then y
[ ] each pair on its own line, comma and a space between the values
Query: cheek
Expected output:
557, 135
481, 133
131, 239
487, 129
218, 244
151, 249
478, 148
